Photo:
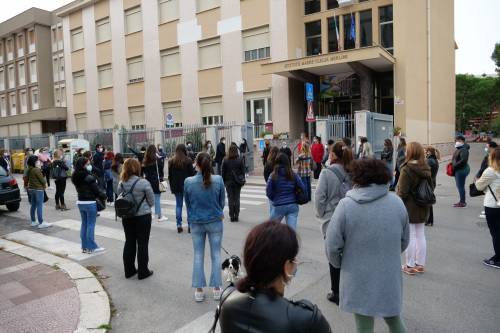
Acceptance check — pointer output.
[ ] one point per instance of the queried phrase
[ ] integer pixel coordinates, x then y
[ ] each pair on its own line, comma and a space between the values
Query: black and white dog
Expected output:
231, 267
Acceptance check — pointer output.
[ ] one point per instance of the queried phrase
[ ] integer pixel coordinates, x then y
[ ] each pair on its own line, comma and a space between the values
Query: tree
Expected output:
495, 56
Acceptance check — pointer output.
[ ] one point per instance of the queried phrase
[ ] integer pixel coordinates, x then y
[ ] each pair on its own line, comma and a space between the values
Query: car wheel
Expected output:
13, 207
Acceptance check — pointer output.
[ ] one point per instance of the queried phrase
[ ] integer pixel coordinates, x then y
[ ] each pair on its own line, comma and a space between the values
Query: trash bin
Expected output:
18, 162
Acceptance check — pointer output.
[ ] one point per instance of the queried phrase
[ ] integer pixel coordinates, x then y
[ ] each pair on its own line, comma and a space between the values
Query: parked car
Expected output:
9, 191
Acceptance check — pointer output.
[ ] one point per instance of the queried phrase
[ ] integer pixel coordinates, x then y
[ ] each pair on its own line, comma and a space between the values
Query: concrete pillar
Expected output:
52, 142
27, 142
117, 144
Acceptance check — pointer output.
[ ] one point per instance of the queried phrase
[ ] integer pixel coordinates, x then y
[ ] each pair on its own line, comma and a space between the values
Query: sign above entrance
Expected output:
309, 92
310, 113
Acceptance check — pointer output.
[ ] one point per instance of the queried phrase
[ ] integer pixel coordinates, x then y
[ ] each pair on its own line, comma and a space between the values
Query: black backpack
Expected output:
125, 205
424, 194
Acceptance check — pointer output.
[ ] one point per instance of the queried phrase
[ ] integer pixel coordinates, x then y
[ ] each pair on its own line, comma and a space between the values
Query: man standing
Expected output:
98, 163
265, 152
286, 150
317, 152
220, 154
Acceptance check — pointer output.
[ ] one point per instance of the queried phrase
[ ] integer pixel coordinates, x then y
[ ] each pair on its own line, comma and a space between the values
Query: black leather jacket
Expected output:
242, 312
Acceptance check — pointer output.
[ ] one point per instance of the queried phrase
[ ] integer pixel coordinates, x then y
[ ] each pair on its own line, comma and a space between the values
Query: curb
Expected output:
94, 302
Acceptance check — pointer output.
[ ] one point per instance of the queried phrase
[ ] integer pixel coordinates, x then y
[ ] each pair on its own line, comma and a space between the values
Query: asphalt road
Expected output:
456, 294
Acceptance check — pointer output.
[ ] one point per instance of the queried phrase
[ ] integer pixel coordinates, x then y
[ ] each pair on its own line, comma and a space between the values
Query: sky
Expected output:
477, 29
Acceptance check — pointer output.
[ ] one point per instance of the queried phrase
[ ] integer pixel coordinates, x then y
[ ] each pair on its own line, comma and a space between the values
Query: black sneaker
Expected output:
179, 230
333, 298
491, 263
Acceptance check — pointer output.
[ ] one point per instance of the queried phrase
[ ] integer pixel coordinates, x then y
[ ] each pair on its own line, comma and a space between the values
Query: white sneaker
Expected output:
34, 224
50, 188
199, 296
44, 225
217, 294
111, 204
482, 216
162, 219
98, 250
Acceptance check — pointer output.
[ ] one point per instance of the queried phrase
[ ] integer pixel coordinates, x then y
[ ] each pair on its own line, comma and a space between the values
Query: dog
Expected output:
231, 267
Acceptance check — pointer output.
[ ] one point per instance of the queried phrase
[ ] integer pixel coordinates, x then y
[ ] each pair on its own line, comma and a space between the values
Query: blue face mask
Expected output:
88, 167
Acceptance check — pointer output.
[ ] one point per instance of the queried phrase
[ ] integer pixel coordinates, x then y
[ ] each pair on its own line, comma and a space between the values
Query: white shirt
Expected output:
489, 178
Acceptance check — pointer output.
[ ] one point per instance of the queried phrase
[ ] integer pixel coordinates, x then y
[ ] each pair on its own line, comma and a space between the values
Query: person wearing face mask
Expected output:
220, 154
27, 153
5, 160
460, 162
98, 164
36, 192
88, 192
257, 304
365, 238
490, 147
190, 150
287, 151
432, 156
209, 149
161, 156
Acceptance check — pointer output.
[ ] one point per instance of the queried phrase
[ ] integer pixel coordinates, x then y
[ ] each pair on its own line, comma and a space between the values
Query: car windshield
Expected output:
3, 173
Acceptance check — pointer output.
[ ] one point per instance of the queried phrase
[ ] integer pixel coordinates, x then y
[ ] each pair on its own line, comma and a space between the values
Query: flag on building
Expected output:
352, 32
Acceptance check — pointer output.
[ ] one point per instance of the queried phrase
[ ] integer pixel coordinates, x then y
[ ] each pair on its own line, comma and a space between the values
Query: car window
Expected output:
3, 173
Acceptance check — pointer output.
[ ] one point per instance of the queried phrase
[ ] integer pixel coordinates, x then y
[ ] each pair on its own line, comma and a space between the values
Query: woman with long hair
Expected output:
116, 170
88, 192
233, 174
400, 159
304, 167
432, 157
108, 176
138, 227
205, 199
333, 183
36, 190
281, 191
271, 158
413, 171
258, 304
59, 174
387, 153
209, 149
461, 168
180, 167
151, 173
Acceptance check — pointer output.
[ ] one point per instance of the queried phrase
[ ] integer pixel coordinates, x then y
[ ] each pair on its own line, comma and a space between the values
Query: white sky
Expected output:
477, 28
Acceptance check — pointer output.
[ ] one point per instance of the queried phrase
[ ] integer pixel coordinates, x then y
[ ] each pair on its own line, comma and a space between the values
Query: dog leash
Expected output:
224, 250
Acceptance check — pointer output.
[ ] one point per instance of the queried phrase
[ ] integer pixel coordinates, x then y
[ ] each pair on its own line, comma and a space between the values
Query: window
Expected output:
81, 121
313, 38
57, 96
10, 76
333, 34
1, 53
209, 55
63, 95
137, 118
55, 68
59, 37
312, 6
105, 76
168, 10
212, 120
12, 102
53, 34
133, 20
175, 109
365, 26
102, 30
22, 101
332, 4
61, 67
211, 110
259, 111
256, 44
33, 70
170, 62
10, 49
20, 46
349, 31
76, 39
386, 32
31, 40
202, 5
34, 99
78, 82
135, 71
2, 79
21, 72
3, 107
107, 119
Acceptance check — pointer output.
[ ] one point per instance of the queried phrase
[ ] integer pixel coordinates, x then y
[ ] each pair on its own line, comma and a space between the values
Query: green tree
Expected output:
495, 56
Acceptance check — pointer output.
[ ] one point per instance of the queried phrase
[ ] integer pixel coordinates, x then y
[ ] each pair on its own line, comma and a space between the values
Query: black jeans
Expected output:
335, 279
137, 230
317, 171
46, 173
60, 188
233, 200
493, 220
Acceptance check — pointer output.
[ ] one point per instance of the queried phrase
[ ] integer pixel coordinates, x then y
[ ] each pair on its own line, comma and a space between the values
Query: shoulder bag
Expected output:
450, 170
161, 184
300, 195
219, 307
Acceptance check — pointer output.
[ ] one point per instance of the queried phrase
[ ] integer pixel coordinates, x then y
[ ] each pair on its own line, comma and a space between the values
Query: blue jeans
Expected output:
88, 213
199, 231
290, 212
179, 201
158, 205
307, 184
460, 176
36, 201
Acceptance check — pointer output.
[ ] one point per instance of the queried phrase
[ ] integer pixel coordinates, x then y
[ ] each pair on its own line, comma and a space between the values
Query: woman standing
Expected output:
116, 170
88, 192
317, 152
108, 176
387, 154
333, 183
413, 171
365, 238
44, 157
150, 169
281, 190
271, 158
205, 198
490, 184
138, 227
36, 191
233, 174
304, 166
180, 167
460, 162
432, 157
258, 304
400, 159
59, 174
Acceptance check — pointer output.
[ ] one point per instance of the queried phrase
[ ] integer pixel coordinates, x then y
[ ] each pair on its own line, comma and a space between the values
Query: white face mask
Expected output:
486, 149
458, 144
99, 150
224, 141
209, 145
88, 167
38, 164
6, 154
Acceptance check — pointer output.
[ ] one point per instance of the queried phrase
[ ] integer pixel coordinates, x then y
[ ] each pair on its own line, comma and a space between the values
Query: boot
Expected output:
58, 207
63, 207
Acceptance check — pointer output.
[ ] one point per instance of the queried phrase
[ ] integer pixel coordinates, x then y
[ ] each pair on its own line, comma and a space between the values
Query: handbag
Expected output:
239, 179
45, 196
474, 192
300, 195
450, 171
161, 185
100, 204
219, 307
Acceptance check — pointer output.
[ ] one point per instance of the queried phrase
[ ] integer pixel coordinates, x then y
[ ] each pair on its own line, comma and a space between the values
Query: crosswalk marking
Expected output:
100, 230
55, 245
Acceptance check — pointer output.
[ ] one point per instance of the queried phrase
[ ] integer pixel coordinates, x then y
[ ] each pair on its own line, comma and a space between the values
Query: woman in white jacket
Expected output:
490, 184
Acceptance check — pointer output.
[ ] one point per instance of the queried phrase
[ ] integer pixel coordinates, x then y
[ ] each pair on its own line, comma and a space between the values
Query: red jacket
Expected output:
317, 152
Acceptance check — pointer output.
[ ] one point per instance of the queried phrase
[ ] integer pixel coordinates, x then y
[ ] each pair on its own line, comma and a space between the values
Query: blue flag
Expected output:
352, 33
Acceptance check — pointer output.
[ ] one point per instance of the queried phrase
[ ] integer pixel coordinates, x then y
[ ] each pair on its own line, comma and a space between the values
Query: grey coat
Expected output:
365, 238
141, 190
328, 194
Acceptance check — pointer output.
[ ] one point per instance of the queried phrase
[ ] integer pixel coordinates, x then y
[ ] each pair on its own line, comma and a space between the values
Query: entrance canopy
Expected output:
375, 58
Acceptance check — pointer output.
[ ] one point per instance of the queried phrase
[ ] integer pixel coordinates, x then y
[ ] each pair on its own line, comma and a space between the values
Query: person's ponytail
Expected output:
343, 154
205, 164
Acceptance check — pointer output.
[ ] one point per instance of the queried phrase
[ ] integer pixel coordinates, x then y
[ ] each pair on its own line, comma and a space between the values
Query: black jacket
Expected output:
461, 157
387, 154
230, 169
98, 162
434, 165
86, 186
268, 170
151, 175
484, 166
265, 154
287, 151
261, 313
220, 152
177, 176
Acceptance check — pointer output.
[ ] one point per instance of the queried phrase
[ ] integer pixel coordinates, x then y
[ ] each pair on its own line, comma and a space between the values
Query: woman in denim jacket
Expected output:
205, 198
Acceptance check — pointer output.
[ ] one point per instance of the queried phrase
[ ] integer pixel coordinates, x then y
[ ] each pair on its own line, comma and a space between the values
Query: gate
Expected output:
247, 132
339, 127
171, 137
135, 139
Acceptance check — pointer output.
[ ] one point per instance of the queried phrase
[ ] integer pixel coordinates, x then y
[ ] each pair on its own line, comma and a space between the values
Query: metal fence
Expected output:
341, 126
16, 143
40, 141
103, 137
171, 137
136, 139
2, 145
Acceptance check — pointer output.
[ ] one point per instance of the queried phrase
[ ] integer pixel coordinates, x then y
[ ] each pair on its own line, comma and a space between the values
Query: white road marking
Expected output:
103, 231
